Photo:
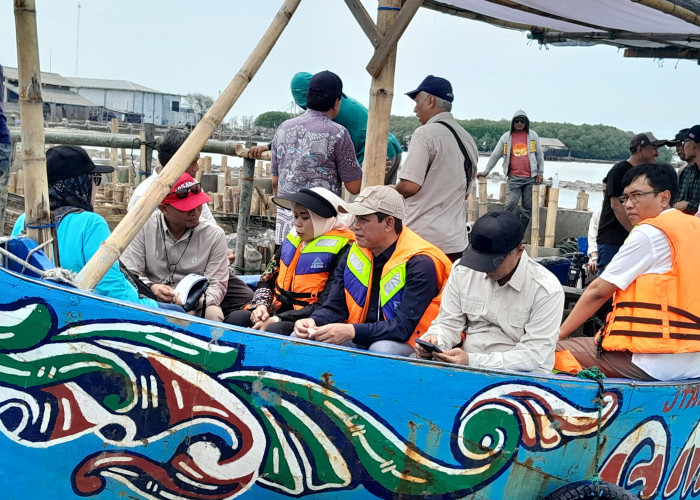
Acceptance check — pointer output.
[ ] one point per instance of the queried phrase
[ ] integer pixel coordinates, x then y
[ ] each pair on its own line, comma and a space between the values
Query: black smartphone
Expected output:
428, 346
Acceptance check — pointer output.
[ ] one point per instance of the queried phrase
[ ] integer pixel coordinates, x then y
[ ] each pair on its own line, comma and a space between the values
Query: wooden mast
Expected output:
134, 220
36, 191
392, 20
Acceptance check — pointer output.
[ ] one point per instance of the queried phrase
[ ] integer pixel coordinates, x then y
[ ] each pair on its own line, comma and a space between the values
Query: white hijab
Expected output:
322, 225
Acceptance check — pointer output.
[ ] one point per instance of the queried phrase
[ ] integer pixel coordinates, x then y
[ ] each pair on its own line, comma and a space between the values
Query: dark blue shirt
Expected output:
420, 289
4, 131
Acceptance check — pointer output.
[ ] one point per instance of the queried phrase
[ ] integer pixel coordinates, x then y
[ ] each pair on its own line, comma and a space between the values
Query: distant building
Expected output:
98, 99
553, 147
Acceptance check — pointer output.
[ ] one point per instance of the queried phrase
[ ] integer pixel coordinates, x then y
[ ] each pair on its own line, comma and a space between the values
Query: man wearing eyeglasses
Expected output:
614, 226
689, 179
523, 164
176, 242
653, 332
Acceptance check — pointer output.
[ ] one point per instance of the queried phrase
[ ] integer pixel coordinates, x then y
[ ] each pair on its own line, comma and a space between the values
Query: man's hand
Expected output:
303, 328
164, 293
592, 264
681, 205
262, 325
457, 356
422, 353
538, 179
257, 151
260, 313
334, 333
230, 256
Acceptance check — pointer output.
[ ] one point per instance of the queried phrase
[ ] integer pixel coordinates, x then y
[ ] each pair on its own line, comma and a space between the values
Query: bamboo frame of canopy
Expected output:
32, 130
111, 249
392, 20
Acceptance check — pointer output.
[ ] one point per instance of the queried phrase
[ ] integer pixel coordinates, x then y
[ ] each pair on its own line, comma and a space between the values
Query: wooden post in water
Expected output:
483, 197
502, 193
109, 251
552, 209
36, 199
113, 153
247, 178
535, 223
226, 171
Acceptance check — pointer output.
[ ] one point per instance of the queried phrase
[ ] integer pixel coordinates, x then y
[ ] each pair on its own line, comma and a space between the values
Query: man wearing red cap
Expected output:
175, 242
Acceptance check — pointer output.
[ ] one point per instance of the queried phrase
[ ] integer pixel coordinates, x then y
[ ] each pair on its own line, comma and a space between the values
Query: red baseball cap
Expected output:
186, 194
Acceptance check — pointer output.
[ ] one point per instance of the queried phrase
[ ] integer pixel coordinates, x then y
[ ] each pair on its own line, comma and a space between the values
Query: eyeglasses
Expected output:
636, 196
184, 192
686, 140
519, 120
97, 179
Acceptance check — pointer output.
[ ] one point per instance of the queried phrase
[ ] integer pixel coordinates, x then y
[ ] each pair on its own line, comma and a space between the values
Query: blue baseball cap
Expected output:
493, 236
434, 85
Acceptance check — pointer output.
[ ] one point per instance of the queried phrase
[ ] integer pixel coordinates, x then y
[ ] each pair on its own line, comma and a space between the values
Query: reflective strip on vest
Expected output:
391, 287
289, 248
317, 256
331, 244
357, 275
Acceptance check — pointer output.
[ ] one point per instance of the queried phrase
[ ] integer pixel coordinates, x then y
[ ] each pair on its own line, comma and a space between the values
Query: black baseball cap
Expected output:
434, 85
309, 199
64, 162
692, 133
324, 88
678, 138
492, 238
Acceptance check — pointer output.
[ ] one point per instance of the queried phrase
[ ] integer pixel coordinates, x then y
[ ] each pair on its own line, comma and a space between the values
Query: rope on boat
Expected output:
58, 274
594, 373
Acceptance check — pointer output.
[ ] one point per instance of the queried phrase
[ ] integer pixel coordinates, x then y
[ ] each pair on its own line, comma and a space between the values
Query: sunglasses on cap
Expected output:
519, 120
184, 191
97, 179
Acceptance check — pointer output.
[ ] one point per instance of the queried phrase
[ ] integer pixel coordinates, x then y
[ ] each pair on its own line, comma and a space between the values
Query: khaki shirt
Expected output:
201, 250
438, 211
512, 327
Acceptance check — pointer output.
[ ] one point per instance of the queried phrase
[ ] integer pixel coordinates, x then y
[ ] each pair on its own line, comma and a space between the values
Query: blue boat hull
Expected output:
107, 400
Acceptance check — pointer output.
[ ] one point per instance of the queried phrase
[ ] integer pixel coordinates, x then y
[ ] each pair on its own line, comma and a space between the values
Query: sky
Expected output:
178, 46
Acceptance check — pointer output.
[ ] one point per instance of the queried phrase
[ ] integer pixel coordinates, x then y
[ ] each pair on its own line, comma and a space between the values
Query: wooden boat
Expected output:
110, 400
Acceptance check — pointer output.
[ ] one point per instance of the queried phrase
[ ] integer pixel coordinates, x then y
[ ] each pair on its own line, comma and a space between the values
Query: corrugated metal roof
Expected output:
59, 96
99, 83
550, 142
646, 28
46, 78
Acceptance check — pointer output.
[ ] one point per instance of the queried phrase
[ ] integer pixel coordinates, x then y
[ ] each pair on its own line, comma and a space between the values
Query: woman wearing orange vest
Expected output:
299, 276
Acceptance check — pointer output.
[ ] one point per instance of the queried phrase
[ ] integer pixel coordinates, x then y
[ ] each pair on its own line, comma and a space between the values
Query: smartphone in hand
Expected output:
428, 346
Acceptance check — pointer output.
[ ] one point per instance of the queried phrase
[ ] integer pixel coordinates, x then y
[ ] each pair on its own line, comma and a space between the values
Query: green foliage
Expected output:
272, 119
598, 142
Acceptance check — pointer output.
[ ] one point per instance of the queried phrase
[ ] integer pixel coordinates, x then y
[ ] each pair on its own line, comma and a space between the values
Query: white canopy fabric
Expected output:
649, 28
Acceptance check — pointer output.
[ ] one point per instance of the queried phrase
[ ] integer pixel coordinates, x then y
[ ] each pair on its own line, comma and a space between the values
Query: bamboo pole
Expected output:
134, 220
113, 155
502, 193
143, 155
36, 200
552, 209
472, 212
535, 223
108, 140
226, 170
380, 97
483, 197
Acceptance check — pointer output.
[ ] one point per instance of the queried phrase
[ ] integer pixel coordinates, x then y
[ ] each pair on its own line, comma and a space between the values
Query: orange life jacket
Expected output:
303, 272
660, 313
358, 279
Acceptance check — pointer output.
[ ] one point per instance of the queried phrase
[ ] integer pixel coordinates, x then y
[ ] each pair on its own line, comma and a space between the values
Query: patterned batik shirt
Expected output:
311, 151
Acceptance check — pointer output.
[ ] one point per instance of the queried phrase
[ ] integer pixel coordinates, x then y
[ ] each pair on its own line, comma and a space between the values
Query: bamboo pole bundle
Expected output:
110, 250
472, 207
483, 197
552, 209
535, 223
31, 104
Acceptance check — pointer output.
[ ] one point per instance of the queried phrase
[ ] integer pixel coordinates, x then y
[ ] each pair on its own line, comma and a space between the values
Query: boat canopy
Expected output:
644, 28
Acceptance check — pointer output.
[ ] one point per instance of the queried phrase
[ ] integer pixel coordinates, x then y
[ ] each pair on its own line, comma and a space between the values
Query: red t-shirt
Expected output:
519, 159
